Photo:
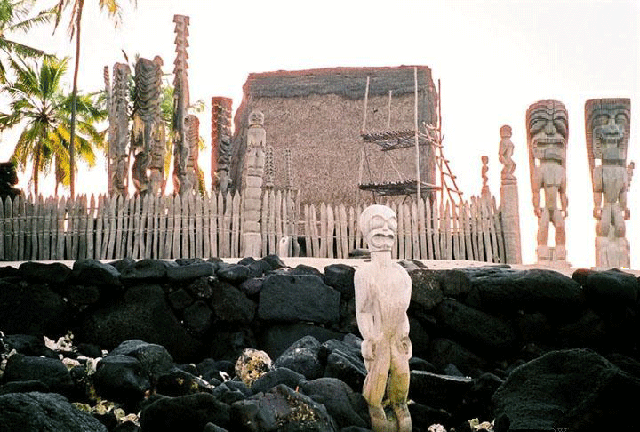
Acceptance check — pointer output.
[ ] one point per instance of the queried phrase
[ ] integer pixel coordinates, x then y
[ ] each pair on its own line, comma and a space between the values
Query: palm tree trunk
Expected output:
36, 169
72, 140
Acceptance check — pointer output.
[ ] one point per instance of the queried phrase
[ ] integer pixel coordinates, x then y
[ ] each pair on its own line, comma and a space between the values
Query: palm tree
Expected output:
15, 16
77, 6
39, 104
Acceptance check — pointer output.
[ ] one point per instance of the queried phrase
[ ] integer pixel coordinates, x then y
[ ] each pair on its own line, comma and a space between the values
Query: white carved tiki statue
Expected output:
506, 155
254, 170
547, 125
383, 293
607, 131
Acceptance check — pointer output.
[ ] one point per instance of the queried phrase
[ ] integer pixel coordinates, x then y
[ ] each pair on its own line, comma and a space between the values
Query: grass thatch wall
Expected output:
319, 115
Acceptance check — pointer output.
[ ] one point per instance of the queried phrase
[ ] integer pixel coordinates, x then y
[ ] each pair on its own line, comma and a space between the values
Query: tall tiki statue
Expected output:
253, 171
148, 139
193, 138
180, 107
118, 110
607, 131
220, 142
547, 124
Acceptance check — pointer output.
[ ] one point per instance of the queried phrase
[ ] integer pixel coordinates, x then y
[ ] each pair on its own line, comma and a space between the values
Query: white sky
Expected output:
493, 57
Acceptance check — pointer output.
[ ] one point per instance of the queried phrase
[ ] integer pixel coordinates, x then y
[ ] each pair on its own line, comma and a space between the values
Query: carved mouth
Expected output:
382, 240
550, 141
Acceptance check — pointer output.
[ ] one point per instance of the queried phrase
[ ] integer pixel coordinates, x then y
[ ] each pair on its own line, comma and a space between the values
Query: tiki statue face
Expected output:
379, 226
548, 130
256, 118
607, 122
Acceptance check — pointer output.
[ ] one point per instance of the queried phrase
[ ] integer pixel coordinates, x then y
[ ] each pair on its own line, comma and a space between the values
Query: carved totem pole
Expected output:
148, 140
607, 132
486, 192
181, 183
193, 136
269, 168
117, 108
383, 294
254, 170
547, 125
509, 207
220, 142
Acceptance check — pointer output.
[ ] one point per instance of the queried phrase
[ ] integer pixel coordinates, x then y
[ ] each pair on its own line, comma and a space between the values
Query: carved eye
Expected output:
561, 126
537, 124
601, 120
621, 119
393, 224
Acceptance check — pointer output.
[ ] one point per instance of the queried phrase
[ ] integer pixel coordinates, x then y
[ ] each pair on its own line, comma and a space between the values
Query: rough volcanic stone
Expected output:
541, 290
121, 378
426, 291
180, 299
198, 318
37, 412
344, 361
299, 270
180, 383
276, 339
142, 314
154, 358
230, 305
611, 288
227, 394
82, 295
298, 298
146, 270
302, 357
445, 351
281, 409
475, 328
201, 288
28, 345
233, 273
33, 309
276, 377
184, 413
258, 268
274, 261
24, 387
575, 389
184, 273
48, 273
438, 391
340, 277
94, 272
346, 407
210, 427
251, 287
51, 372
454, 283
588, 331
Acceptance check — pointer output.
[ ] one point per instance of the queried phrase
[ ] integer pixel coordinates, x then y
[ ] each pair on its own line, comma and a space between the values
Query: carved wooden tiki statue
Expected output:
383, 294
607, 131
547, 125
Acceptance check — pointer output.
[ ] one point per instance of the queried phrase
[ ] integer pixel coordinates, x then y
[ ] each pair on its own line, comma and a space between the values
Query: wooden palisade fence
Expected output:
106, 228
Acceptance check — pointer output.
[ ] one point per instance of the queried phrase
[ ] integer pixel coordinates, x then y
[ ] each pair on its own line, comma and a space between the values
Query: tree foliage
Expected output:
40, 107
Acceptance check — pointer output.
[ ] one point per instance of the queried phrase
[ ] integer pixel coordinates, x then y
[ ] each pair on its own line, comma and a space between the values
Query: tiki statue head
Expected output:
547, 131
607, 129
379, 226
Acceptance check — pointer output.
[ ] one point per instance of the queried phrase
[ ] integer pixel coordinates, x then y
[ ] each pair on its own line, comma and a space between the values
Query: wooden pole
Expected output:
442, 162
415, 126
366, 99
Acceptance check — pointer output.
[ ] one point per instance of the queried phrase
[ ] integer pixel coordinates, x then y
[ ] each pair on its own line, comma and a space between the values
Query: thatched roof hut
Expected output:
318, 114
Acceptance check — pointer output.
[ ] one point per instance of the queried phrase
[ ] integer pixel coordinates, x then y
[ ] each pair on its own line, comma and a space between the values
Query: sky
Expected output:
493, 58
